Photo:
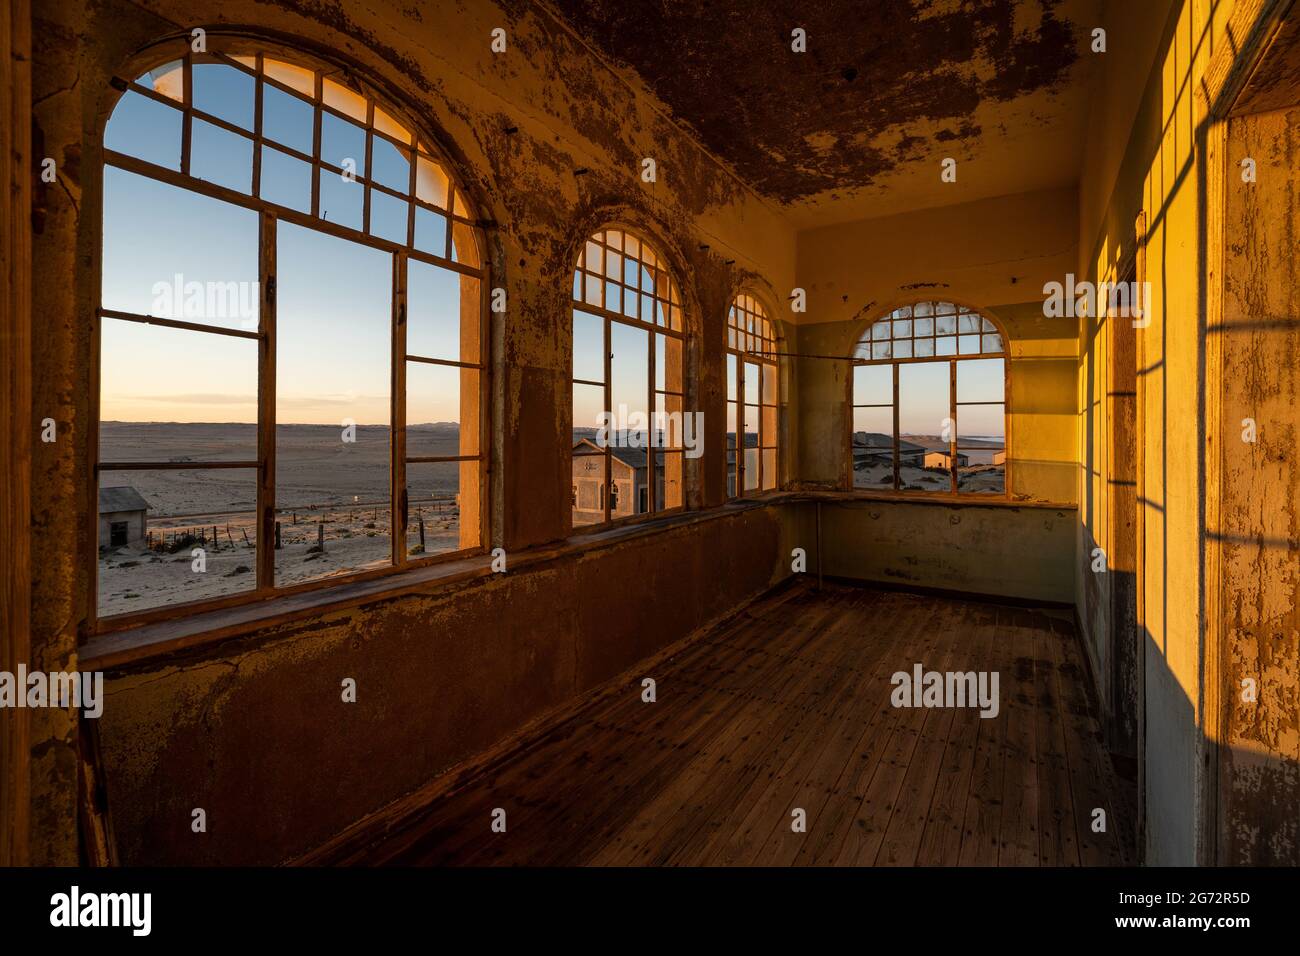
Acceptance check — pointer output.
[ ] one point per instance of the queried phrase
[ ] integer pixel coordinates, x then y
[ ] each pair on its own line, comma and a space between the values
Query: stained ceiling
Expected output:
859, 124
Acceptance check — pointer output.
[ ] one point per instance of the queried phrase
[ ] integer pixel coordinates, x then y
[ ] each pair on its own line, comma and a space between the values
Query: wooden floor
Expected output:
787, 706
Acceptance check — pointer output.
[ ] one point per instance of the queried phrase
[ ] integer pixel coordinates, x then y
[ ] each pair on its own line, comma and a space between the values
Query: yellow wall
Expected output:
982, 254
1157, 164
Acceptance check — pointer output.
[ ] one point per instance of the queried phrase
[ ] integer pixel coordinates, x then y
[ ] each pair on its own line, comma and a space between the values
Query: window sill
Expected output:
950, 501
160, 640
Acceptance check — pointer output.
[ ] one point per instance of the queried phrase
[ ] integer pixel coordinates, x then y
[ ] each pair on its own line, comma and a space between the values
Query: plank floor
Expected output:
786, 707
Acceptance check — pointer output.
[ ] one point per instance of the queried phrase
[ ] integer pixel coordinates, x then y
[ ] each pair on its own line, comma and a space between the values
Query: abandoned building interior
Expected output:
565, 432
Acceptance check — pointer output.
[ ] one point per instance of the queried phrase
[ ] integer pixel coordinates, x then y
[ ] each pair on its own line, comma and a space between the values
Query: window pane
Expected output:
981, 448
670, 422
288, 120
968, 344
295, 77
873, 448
168, 79
392, 166
386, 124
388, 217
670, 480
668, 368
430, 232
751, 383
981, 380
285, 181
769, 468
588, 466
145, 129
751, 469
430, 183
981, 424
924, 423
588, 404
768, 434
588, 346
342, 144
341, 199
732, 382
175, 537
768, 395
629, 371
224, 92
332, 404
442, 404
176, 254
174, 394
343, 99
436, 299
220, 156
433, 508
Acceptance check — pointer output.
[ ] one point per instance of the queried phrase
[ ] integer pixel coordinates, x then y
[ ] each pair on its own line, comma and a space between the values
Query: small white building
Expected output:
123, 516
943, 460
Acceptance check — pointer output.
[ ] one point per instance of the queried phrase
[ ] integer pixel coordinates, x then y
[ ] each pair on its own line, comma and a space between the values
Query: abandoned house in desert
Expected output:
972, 330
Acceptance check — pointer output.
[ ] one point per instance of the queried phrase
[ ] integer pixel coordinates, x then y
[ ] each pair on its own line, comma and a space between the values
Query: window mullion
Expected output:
266, 403
609, 398
897, 470
398, 504
952, 414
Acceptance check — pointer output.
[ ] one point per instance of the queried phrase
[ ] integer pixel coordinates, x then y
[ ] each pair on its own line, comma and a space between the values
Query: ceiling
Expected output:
857, 126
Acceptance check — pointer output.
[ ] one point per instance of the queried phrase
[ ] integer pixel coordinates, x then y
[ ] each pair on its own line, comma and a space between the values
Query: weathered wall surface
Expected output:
1163, 166
1259, 755
549, 143
256, 732
982, 254
1021, 552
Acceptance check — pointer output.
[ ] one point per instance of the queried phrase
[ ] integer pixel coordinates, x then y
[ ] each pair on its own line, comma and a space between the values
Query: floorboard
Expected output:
773, 741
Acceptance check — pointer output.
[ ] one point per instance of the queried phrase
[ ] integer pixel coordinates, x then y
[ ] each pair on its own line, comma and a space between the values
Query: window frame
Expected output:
953, 493
675, 307
739, 343
463, 228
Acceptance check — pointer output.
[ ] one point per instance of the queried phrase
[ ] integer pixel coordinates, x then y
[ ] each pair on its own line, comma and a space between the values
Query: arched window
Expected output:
628, 347
751, 398
291, 337
929, 402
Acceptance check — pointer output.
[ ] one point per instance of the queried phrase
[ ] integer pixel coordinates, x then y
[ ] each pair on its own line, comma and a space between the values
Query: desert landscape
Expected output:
979, 476
332, 507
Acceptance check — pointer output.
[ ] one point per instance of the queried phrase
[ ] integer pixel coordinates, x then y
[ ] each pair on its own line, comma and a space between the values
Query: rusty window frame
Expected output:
589, 293
751, 340
463, 253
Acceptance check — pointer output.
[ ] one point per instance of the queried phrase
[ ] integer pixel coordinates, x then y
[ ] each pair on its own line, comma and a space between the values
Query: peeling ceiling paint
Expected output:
883, 88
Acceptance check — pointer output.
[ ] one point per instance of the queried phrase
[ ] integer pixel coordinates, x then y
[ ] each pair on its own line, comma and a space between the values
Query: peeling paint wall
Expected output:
981, 254
1025, 553
1259, 756
519, 126
1164, 165
256, 733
